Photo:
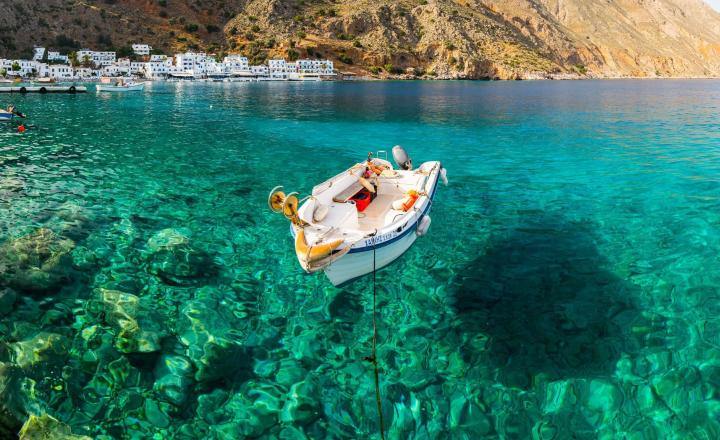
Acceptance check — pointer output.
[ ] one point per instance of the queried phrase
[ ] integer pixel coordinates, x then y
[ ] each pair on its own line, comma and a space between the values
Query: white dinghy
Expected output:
119, 86
363, 218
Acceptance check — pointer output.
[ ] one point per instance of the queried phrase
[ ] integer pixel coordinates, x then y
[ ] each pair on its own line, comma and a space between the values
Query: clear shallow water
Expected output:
568, 287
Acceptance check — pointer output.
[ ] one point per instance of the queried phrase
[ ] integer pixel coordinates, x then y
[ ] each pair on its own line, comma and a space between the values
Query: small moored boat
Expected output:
363, 218
120, 86
7, 115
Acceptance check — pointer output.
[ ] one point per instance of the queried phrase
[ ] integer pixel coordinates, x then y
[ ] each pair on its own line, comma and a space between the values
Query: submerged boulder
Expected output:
44, 427
45, 348
173, 379
249, 413
303, 403
7, 299
37, 262
138, 328
214, 341
16, 399
173, 258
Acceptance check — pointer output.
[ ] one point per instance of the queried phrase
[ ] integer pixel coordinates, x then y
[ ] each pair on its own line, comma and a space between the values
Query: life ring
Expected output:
72, 89
23, 89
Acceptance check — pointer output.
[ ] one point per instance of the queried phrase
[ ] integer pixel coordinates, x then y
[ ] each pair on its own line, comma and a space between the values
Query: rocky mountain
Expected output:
431, 38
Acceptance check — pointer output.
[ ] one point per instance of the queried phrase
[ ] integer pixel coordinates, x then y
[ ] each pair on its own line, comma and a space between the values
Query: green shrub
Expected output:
345, 58
302, 34
375, 70
252, 18
162, 3
298, 18
293, 55
418, 71
388, 68
249, 36
233, 31
191, 27
211, 28
356, 43
255, 28
449, 46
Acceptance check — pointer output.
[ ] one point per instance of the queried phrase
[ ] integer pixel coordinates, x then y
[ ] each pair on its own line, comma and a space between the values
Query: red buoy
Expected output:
21, 128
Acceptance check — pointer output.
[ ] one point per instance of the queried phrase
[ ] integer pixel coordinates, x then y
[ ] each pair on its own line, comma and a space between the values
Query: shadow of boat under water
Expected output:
543, 298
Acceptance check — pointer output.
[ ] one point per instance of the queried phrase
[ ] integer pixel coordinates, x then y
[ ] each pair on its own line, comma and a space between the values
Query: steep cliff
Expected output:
432, 38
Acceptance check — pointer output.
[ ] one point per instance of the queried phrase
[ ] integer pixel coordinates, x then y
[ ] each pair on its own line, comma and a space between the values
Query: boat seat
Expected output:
348, 193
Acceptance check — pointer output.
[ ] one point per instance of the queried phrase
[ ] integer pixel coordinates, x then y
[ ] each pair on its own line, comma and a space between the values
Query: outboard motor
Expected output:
402, 158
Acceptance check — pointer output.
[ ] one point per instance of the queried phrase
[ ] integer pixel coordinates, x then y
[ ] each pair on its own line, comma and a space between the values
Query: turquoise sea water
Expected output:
569, 286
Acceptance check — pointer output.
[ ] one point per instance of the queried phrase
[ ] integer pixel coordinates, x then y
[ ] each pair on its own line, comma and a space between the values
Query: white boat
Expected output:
363, 218
6, 116
121, 87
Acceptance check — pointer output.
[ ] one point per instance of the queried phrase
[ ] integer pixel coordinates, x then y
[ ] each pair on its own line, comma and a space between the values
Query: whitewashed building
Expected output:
38, 53
60, 71
27, 67
56, 57
192, 62
260, 71
99, 58
317, 67
141, 49
157, 69
278, 69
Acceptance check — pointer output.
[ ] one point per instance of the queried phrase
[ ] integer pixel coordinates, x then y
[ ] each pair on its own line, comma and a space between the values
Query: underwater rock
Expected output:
138, 327
9, 420
45, 427
214, 341
74, 220
156, 414
247, 414
37, 262
467, 419
290, 372
7, 300
303, 403
173, 379
48, 348
175, 260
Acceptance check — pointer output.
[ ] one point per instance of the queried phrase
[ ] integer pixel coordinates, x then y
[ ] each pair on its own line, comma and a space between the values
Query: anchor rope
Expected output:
373, 357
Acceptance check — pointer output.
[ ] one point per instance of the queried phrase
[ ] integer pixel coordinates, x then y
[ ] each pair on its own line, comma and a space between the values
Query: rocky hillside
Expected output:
430, 38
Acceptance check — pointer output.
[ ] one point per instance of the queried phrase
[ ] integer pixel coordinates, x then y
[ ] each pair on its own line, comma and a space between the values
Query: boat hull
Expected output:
356, 264
6, 117
133, 88
388, 248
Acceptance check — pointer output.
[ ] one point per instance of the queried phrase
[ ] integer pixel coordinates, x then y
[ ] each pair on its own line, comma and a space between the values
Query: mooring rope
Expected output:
373, 357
